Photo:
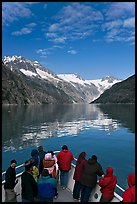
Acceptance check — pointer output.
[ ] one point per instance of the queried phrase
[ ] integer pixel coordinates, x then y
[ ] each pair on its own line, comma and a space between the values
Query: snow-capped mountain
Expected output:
100, 84
29, 68
74, 86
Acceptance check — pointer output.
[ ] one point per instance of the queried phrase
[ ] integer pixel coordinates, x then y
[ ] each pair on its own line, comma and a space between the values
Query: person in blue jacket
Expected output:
46, 187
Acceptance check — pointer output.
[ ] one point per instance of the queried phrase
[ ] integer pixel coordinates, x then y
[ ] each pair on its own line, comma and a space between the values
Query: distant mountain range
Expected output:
28, 82
122, 92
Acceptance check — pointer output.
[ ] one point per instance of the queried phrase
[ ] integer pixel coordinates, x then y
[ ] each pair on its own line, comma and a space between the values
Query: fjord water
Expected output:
107, 131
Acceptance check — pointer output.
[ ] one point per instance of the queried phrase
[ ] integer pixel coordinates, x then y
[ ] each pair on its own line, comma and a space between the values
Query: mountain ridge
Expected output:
73, 86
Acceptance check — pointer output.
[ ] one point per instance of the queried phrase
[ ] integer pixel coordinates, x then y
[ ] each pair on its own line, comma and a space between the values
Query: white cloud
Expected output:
130, 22
120, 10
73, 52
47, 51
74, 21
119, 24
26, 30
112, 24
12, 11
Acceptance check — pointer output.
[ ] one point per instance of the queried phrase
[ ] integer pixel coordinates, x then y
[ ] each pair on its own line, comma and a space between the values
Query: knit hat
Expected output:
48, 156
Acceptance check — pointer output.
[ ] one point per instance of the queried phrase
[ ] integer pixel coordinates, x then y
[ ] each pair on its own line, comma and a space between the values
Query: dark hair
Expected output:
81, 156
28, 165
40, 148
64, 147
45, 172
94, 157
13, 161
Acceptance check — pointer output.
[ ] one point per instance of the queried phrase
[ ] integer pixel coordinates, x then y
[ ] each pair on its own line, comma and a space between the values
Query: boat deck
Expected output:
64, 195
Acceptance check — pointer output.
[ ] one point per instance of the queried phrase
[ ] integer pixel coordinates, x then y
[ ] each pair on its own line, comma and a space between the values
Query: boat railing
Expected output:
55, 152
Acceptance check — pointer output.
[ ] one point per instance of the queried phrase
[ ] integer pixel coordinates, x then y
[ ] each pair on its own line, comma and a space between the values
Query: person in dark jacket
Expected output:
80, 164
129, 194
10, 182
41, 154
89, 178
28, 184
35, 157
64, 158
107, 184
46, 187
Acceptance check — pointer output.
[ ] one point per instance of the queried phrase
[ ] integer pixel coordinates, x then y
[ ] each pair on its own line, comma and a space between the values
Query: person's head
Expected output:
94, 157
28, 165
131, 180
109, 171
82, 156
13, 163
48, 156
64, 147
45, 172
34, 152
40, 148
51, 152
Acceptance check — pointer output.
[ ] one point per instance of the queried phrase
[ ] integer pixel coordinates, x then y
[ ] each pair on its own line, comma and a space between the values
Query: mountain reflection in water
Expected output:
24, 126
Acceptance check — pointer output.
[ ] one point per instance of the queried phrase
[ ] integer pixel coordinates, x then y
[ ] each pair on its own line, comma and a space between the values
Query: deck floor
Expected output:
64, 195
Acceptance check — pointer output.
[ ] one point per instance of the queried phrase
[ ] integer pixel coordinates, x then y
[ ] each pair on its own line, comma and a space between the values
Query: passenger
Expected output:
41, 154
47, 163
107, 184
28, 184
36, 162
10, 182
129, 194
35, 173
80, 164
65, 158
89, 177
49, 158
35, 157
46, 187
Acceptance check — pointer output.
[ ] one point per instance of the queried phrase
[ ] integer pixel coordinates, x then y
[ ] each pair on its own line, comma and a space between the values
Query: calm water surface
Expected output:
105, 130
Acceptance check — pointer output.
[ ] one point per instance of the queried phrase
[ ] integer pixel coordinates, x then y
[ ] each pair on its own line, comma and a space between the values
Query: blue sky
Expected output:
93, 39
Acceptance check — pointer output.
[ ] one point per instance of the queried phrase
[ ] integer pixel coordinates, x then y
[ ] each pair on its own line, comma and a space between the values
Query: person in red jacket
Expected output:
107, 184
64, 158
129, 194
80, 164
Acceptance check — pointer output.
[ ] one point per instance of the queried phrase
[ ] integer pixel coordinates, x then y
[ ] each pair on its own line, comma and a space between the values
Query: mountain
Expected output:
122, 92
19, 89
98, 86
47, 87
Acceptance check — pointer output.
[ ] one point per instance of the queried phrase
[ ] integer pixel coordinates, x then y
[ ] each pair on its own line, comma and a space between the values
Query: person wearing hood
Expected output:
129, 194
107, 184
89, 178
64, 158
